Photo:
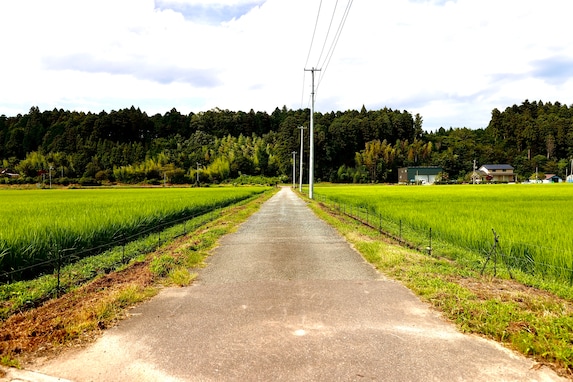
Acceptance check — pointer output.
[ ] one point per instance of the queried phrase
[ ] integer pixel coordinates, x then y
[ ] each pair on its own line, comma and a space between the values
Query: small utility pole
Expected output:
293, 168
198, 164
311, 159
301, 128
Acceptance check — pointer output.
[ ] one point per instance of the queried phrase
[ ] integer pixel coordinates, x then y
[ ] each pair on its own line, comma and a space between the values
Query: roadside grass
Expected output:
86, 309
104, 312
534, 322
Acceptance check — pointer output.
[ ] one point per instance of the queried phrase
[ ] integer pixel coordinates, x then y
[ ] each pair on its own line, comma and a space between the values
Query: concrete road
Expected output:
285, 298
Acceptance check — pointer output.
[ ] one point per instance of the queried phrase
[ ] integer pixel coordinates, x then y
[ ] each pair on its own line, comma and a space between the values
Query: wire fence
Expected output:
155, 235
513, 254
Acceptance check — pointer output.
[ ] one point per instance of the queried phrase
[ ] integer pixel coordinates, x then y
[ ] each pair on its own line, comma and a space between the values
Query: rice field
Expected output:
36, 224
534, 222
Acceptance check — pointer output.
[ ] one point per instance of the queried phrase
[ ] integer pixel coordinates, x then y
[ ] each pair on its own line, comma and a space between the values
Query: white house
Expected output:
502, 173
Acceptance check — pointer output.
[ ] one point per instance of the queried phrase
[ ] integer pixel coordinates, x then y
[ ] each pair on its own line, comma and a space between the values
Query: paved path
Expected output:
285, 298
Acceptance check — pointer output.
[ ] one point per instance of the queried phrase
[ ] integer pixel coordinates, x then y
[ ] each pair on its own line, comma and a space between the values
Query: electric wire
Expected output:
327, 34
330, 52
309, 51
313, 33
323, 65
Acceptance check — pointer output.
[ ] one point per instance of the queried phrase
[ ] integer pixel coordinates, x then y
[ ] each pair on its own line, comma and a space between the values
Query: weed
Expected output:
194, 259
181, 276
162, 265
8, 361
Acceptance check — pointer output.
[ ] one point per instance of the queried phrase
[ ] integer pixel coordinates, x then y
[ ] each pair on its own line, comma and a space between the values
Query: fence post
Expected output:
123, 244
430, 247
380, 222
58, 271
366, 208
400, 229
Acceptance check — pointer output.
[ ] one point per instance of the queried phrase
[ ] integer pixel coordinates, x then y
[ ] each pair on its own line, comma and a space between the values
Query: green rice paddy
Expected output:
37, 224
534, 222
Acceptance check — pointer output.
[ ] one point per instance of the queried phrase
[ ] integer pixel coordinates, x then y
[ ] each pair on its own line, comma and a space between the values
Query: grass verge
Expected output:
79, 315
534, 322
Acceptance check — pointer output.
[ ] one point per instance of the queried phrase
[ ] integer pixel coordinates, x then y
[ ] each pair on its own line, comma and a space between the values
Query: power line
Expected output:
309, 51
327, 33
338, 33
335, 42
302, 95
313, 33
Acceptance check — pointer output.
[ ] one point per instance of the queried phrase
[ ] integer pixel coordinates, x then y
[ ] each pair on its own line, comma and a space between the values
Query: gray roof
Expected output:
498, 166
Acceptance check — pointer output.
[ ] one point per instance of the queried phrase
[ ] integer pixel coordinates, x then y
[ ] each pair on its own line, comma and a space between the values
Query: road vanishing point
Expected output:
286, 298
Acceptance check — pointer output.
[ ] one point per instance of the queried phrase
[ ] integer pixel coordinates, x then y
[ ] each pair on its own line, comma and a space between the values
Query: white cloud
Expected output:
208, 11
450, 61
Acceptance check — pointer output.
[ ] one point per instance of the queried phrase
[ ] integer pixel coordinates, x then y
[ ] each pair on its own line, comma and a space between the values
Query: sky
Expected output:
452, 62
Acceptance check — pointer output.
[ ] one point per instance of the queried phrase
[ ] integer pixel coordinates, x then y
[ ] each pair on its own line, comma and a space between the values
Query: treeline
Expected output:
129, 146
532, 137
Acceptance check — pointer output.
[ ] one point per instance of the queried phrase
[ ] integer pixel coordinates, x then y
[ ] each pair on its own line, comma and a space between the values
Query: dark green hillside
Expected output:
352, 146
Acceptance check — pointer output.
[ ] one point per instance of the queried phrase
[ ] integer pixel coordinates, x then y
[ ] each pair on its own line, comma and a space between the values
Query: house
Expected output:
8, 174
422, 174
552, 178
498, 173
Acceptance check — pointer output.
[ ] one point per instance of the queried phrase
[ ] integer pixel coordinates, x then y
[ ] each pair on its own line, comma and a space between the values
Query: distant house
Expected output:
8, 174
424, 175
552, 178
502, 173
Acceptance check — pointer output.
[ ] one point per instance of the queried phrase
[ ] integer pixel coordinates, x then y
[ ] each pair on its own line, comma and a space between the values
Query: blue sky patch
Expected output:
554, 70
163, 74
208, 14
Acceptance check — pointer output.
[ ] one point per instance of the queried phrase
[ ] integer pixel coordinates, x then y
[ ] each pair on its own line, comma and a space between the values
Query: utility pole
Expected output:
293, 169
301, 128
198, 164
311, 159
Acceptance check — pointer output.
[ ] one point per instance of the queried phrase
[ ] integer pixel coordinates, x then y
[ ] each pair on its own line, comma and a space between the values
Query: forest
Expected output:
215, 146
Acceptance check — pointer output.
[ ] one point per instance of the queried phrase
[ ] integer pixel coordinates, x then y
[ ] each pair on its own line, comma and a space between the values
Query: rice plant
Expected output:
40, 225
533, 221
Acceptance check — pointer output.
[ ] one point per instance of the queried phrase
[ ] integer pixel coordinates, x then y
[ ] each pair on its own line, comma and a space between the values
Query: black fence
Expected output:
499, 252
58, 258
